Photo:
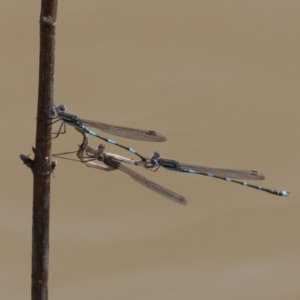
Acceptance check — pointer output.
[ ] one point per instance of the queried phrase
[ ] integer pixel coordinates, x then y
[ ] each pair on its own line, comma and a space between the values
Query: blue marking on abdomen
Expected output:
111, 141
132, 150
87, 130
91, 132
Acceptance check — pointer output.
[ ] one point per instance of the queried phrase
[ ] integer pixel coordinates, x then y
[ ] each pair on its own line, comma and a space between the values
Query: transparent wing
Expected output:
174, 165
146, 182
232, 173
126, 132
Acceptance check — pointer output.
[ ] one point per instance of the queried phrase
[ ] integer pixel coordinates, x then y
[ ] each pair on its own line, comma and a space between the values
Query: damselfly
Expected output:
59, 113
225, 174
113, 162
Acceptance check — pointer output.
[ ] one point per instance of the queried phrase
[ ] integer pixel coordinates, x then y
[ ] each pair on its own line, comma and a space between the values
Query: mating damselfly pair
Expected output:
111, 161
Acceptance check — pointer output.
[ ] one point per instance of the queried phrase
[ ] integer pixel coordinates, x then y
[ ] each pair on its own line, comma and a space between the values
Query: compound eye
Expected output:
157, 154
153, 161
101, 148
53, 112
63, 108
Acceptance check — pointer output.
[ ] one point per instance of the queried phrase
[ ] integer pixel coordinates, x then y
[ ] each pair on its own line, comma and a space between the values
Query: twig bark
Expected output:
42, 165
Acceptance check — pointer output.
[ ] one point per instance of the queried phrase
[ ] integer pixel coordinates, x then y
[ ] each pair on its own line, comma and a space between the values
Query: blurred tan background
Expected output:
221, 80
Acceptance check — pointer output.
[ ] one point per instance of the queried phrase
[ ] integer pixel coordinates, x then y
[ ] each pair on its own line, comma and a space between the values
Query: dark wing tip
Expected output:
160, 137
151, 132
182, 201
258, 175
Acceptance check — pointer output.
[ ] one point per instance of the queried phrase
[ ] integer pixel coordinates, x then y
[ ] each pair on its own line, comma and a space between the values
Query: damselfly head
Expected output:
101, 148
154, 161
56, 110
99, 153
155, 158
53, 112
156, 154
62, 108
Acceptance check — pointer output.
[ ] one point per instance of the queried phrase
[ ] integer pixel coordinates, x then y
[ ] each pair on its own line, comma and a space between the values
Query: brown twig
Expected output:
42, 165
